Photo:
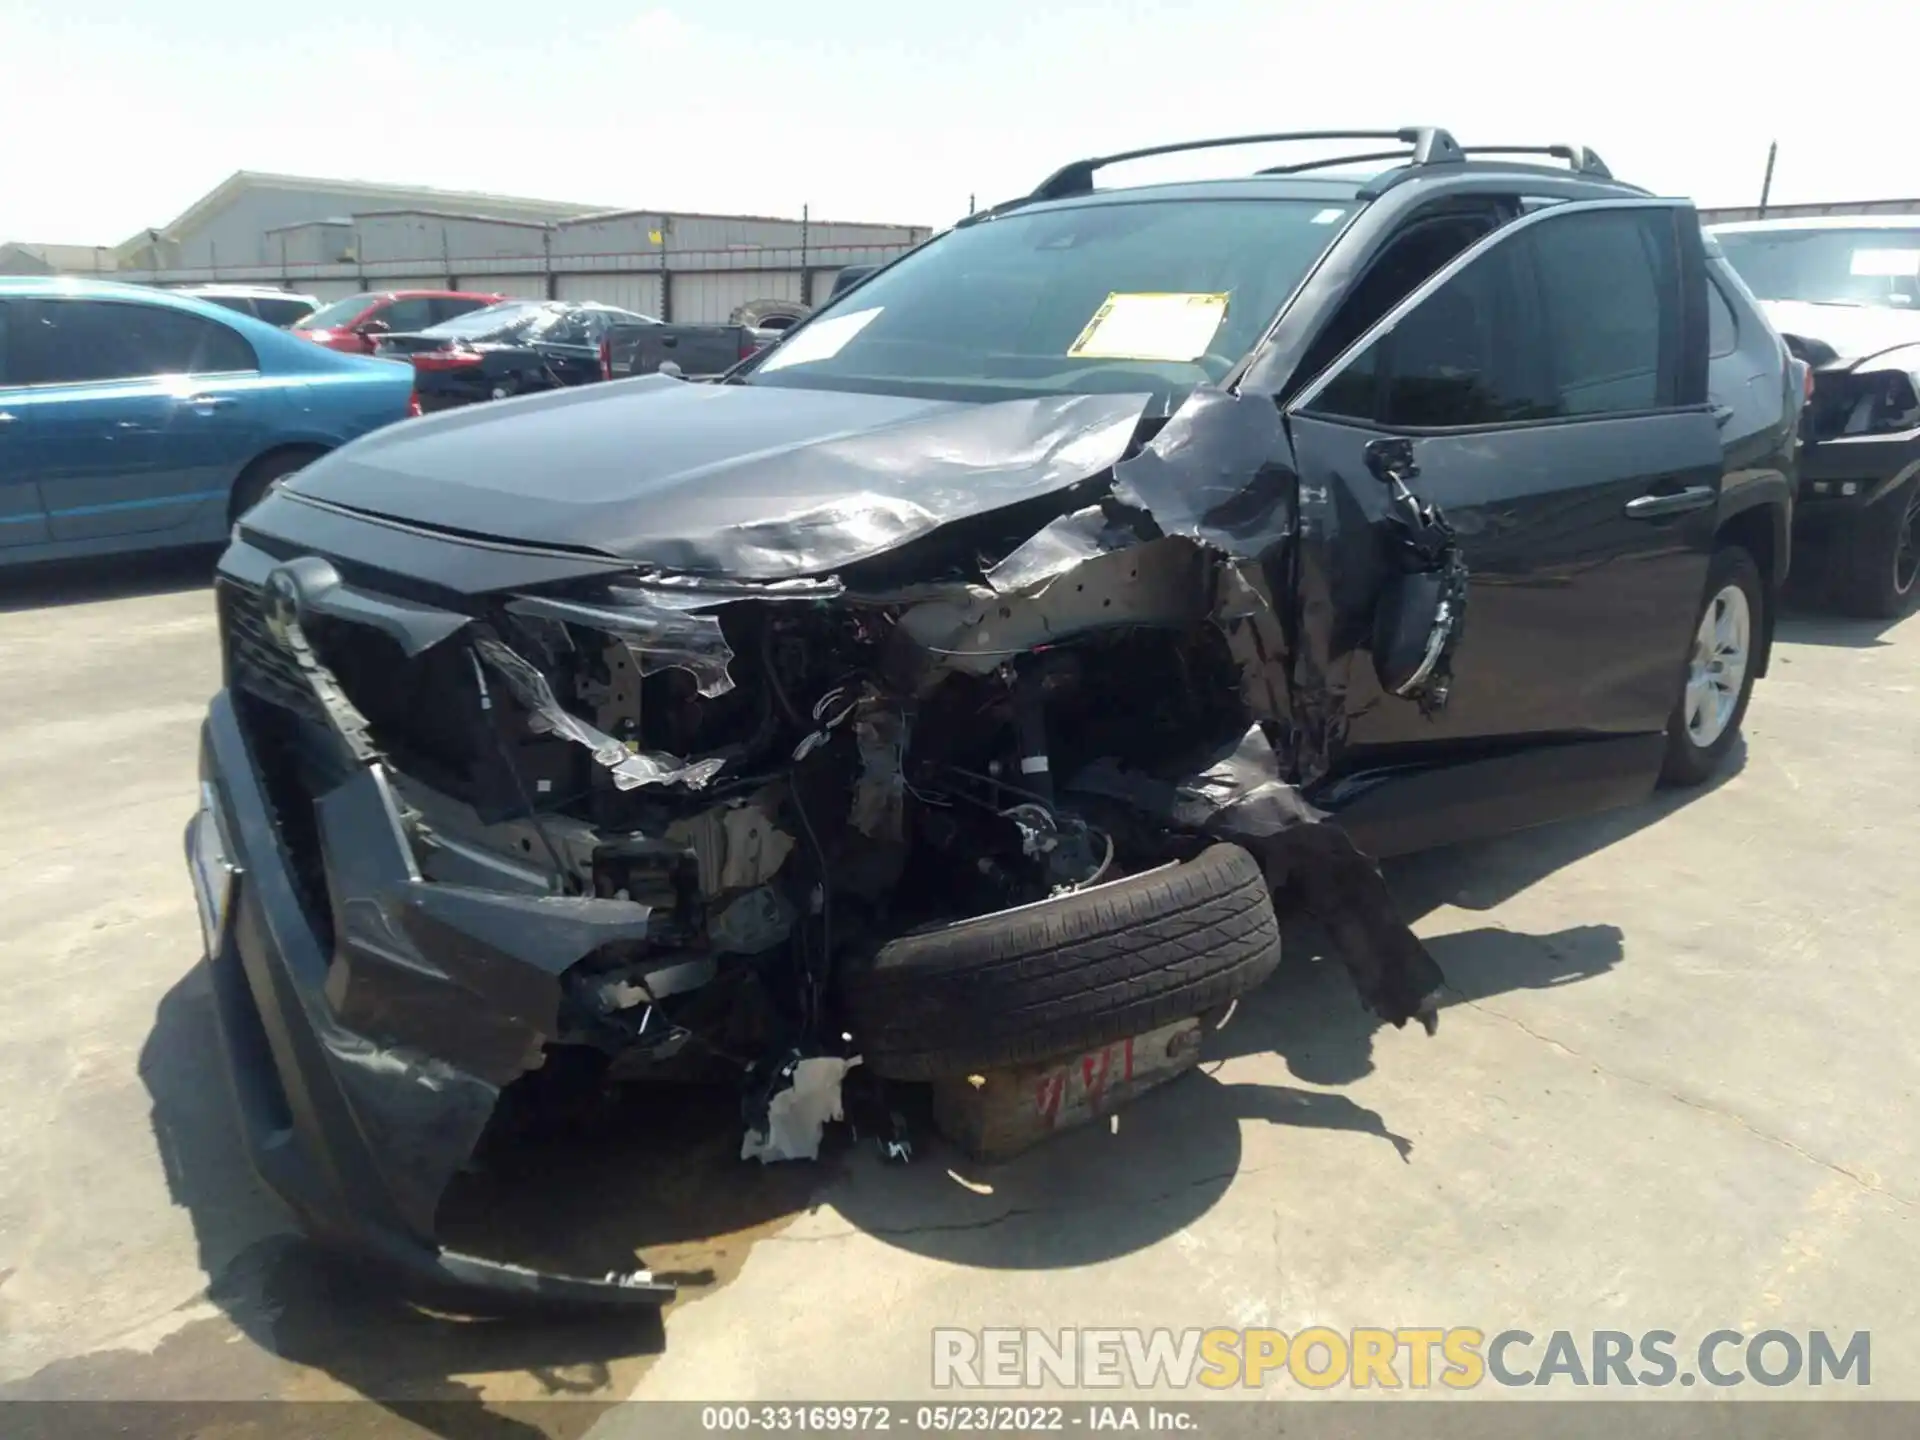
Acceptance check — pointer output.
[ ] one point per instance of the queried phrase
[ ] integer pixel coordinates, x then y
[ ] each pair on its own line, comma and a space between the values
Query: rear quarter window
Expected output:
1723, 329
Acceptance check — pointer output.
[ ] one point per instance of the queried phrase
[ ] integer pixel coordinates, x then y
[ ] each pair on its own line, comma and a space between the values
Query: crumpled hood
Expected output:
743, 481
1841, 336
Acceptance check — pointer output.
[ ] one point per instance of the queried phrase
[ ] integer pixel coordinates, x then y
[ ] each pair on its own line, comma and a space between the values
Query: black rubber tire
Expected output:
1687, 763
784, 314
265, 473
1872, 559
1065, 975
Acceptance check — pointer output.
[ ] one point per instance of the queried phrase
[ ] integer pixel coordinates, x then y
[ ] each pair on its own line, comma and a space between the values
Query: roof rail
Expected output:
1579, 159
1302, 166
1430, 146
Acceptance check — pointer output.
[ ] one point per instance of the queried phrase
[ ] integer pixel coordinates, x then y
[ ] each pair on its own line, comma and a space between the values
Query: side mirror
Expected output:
1390, 460
371, 328
669, 368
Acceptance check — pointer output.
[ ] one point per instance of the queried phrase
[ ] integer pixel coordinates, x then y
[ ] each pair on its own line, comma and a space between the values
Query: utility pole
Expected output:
1766, 185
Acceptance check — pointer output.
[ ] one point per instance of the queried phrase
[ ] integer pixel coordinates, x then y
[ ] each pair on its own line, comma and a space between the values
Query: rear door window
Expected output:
71, 342
446, 307
1603, 281
403, 316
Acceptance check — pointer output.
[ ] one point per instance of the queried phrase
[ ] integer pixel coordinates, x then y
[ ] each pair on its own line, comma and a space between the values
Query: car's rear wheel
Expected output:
1706, 721
1876, 560
1066, 974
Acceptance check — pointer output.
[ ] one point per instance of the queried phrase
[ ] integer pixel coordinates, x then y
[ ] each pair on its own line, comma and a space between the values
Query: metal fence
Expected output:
685, 284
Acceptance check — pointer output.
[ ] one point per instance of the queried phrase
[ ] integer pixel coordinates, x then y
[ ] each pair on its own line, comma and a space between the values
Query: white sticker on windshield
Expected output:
821, 340
1886, 262
1151, 327
1327, 217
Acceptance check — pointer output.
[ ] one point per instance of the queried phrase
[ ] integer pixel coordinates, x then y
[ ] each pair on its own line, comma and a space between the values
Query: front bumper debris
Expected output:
357, 1138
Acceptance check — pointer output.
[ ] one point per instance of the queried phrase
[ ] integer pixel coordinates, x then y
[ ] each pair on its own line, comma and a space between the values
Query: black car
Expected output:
1845, 291
962, 681
515, 348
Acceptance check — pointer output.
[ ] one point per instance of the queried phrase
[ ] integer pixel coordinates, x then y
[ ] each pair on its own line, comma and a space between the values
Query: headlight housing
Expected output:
1874, 402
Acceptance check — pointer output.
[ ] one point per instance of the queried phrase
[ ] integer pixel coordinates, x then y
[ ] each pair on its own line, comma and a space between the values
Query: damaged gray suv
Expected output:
974, 676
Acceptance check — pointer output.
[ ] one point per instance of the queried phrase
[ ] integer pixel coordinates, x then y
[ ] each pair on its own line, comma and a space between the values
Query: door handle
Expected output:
7, 418
210, 402
1722, 414
1677, 502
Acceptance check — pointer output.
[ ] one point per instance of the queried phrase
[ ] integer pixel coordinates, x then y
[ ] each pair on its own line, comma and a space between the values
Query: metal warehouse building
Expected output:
331, 238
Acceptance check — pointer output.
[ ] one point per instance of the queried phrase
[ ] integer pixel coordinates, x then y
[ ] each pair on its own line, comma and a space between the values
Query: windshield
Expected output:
516, 318
340, 312
1828, 267
1147, 295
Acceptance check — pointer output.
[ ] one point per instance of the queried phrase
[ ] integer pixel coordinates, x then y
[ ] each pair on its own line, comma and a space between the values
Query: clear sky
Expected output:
117, 114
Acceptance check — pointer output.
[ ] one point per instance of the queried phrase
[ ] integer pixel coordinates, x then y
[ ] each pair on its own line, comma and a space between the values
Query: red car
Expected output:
351, 324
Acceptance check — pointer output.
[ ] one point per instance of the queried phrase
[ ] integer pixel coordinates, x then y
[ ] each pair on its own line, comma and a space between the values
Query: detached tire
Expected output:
1877, 556
1713, 702
1064, 975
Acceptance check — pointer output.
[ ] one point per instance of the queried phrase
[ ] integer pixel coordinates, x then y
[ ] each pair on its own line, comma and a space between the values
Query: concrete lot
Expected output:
1675, 1089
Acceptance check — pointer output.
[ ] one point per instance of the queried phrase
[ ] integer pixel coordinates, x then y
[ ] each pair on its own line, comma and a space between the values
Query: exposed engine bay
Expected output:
821, 776
771, 780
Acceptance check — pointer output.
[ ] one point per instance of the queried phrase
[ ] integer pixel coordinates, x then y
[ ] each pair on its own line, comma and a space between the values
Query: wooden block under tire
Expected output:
996, 1114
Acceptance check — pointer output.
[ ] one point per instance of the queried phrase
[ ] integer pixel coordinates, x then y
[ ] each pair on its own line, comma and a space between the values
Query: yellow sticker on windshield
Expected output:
1151, 327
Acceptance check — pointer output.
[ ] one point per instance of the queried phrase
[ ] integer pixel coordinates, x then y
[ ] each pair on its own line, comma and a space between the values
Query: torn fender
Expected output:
1237, 792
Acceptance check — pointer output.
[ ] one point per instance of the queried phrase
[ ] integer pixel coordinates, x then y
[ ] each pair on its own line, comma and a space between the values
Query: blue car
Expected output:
134, 419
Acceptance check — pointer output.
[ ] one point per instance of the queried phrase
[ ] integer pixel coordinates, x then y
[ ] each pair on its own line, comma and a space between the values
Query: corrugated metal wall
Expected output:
712, 298
715, 263
639, 293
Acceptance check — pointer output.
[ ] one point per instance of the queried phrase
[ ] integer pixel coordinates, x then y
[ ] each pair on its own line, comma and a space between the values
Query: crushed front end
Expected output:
461, 834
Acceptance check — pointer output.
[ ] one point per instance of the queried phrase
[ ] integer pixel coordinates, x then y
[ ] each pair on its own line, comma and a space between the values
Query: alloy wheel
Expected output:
1906, 554
1717, 669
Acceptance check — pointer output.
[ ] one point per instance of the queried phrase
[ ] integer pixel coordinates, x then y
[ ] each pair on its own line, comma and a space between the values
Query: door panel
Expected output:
23, 519
1578, 617
1563, 433
145, 456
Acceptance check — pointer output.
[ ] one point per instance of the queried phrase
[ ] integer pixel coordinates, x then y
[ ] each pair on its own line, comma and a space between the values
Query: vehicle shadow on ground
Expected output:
1810, 616
114, 577
1810, 626
656, 1178
1308, 1012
